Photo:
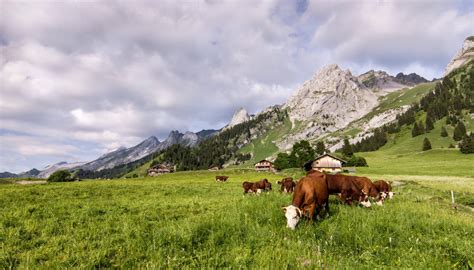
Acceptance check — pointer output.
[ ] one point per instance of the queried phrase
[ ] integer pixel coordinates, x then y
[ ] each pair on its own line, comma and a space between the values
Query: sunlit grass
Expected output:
189, 220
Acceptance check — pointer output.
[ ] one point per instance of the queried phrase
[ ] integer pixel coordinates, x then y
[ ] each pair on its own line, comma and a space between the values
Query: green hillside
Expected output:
264, 146
402, 154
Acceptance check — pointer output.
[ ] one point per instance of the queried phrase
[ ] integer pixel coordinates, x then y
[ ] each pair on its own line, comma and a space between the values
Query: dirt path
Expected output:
26, 182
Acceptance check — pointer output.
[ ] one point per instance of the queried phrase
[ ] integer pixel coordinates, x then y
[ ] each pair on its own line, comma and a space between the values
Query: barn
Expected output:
325, 163
264, 165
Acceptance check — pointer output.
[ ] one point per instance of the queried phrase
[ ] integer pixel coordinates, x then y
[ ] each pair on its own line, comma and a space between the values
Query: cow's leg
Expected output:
312, 208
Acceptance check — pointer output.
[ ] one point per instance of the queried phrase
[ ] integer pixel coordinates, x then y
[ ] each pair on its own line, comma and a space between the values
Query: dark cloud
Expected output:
81, 78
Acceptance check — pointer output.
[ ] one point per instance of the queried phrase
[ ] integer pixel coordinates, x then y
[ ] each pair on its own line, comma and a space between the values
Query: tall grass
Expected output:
187, 220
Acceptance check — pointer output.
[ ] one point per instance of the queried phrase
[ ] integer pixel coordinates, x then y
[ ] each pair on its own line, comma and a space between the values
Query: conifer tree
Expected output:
459, 131
467, 144
320, 148
444, 132
414, 130
347, 148
426, 144
429, 124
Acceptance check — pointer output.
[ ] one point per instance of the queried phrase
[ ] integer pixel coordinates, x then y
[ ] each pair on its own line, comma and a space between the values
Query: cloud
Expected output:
97, 75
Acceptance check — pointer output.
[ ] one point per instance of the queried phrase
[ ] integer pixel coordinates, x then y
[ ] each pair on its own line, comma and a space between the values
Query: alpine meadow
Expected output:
211, 135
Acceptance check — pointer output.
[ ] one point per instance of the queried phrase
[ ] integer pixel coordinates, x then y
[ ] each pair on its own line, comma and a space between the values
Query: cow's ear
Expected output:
284, 209
279, 182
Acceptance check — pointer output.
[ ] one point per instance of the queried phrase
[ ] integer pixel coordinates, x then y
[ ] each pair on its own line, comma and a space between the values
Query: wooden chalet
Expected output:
264, 165
161, 169
325, 163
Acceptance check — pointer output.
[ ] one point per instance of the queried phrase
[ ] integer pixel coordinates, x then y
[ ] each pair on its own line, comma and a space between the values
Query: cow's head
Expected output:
268, 186
293, 215
366, 203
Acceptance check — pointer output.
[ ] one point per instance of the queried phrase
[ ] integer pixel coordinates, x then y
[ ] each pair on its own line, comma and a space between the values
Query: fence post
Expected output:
452, 199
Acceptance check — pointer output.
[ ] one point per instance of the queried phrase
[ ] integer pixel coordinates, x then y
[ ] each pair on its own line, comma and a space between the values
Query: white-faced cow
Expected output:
311, 193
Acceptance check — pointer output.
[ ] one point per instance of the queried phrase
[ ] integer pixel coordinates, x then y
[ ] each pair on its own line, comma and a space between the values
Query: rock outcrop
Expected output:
239, 117
462, 57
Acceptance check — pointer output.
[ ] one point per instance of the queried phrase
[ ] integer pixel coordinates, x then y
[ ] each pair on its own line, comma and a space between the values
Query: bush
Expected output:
357, 161
60, 176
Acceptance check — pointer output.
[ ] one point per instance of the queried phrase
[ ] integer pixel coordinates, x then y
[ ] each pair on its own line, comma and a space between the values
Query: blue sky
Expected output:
80, 78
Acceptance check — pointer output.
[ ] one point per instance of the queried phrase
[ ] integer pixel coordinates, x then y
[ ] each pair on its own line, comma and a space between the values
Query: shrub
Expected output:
60, 176
357, 161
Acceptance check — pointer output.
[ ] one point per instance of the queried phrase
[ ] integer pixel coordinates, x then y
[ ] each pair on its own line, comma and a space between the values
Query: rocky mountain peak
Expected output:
463, 56
329, 101
410, 79
239, 117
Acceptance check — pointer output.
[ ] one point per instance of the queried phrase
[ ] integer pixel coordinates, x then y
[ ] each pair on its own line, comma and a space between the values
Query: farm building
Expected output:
325, 163
214, 168
161, 169
264, 165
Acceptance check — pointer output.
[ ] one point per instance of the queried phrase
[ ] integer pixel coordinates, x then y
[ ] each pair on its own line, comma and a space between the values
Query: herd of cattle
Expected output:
311, 193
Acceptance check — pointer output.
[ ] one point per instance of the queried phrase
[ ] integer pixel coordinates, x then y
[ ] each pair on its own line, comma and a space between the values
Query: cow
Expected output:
287, 185
310, 194
367, 189
257, 187
384, 189
221, 178
341, 185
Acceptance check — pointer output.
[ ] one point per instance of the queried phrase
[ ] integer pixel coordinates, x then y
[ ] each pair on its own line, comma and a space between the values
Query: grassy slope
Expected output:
403, 155
264, 147
189, 220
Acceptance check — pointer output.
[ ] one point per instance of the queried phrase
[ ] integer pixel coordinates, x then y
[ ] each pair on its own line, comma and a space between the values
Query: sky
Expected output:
81, 78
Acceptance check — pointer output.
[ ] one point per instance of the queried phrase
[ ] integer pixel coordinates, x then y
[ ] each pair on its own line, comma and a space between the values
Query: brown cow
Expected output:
257, 187
384, 189
342, 185
367, 190
311, 193
221, 178
287, 185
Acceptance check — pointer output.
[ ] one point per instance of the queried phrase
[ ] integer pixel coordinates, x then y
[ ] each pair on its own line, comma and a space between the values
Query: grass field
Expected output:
187, 220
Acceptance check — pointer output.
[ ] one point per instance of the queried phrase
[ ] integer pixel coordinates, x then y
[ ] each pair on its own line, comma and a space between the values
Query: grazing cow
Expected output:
257, 187
221, 178
287, 185
341, 185
367, 190
311, 193
384, 189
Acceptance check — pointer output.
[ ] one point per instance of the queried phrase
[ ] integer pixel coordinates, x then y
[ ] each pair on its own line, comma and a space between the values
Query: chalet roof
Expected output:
264, 160
308, 165
329, 155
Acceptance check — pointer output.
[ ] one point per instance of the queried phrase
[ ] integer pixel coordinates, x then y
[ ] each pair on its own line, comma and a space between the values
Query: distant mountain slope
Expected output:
145, 148
462, 57
7, 175
50, 169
